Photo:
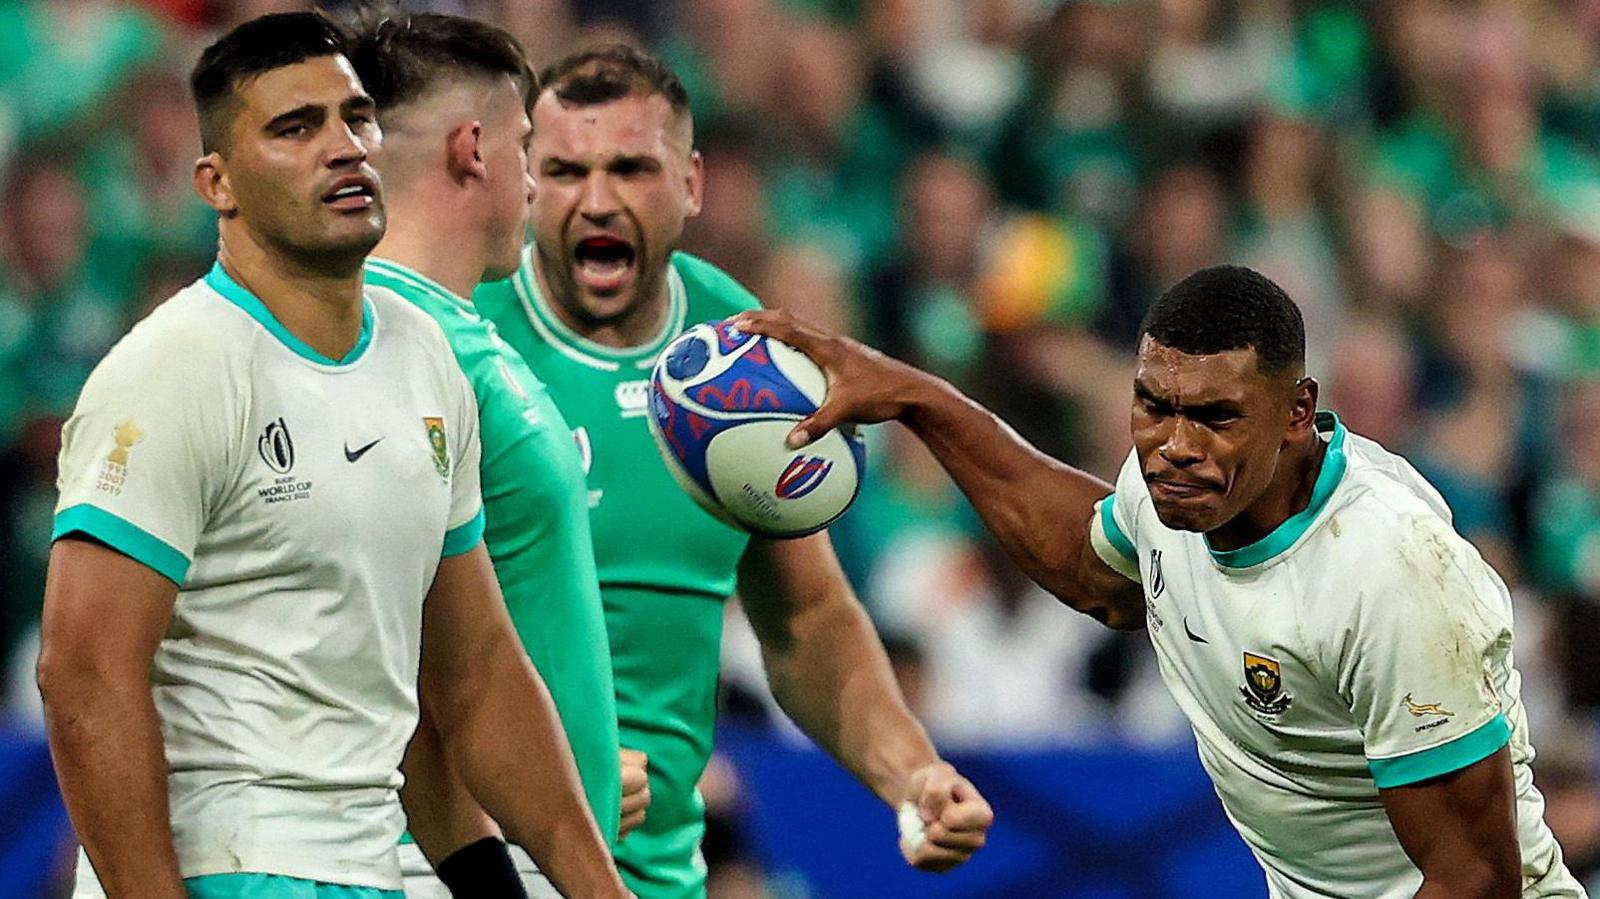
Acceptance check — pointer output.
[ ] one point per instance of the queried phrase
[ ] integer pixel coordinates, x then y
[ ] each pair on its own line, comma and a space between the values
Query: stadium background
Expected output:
994, 189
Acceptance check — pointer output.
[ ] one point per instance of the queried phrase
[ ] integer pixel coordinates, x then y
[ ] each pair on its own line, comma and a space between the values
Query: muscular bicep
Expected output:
104, 612
464, 624
1102, 579
1461, 827
1104, 593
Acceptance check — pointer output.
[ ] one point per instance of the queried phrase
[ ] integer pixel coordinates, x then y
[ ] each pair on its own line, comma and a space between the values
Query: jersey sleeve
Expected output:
1428, 640
466, 503
1111, 528
145, 454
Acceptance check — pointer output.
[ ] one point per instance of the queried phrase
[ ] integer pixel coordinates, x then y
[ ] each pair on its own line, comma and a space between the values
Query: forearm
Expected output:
441, 813
105, 741
1037, 508
514, 757
832, 677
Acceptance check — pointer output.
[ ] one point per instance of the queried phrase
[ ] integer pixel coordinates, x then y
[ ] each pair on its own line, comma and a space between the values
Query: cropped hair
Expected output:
610, 72
249, 51
1230, 307
400, 57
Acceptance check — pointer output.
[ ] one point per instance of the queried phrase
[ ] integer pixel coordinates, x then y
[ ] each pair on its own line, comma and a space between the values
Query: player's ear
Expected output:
1303, 414
696, 183
463, 152
212, 184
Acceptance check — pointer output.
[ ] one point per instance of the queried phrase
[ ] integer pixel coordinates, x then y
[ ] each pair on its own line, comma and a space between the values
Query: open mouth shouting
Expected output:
603, 263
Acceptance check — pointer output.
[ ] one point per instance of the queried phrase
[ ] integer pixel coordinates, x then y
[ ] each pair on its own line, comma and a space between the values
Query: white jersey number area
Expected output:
1361, 645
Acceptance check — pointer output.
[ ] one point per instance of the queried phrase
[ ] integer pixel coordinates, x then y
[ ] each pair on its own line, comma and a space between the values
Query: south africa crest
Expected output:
441, 446
1263, 685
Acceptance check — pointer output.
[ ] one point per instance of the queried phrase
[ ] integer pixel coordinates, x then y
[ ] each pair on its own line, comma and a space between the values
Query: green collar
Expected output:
220, 281
1294, 527
581, 349
380, 270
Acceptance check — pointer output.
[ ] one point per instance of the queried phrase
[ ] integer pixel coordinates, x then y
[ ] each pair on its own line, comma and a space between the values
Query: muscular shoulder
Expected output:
1390, 558
1386, 518
196, 344
712, 292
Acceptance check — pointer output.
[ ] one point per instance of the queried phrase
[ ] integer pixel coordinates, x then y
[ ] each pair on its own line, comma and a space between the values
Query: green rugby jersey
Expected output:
666, 566
536, 530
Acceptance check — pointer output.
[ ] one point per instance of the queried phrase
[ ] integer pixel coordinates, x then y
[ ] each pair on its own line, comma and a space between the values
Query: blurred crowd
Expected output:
994, 190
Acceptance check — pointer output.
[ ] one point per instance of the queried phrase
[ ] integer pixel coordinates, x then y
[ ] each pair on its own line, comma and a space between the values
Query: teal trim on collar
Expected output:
219, 280
1285, 535
463, 537
1470, 748
1118, 540
123, 536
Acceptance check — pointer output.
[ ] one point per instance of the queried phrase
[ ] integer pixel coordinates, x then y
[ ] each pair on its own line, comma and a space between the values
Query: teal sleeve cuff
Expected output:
123, 536
1119, 541
463, 537
1467, 749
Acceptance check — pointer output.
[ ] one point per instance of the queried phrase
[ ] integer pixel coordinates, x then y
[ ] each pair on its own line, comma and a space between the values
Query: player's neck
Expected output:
1290, 493
320, 306
638, 327
437, 252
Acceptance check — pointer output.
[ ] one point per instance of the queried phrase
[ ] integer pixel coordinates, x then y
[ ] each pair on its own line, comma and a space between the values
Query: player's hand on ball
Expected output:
943, 820
635, 790
864, 385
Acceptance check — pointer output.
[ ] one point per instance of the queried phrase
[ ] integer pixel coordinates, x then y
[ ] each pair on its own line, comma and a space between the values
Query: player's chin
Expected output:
354, 232
606, 306
505, 263
1200, 513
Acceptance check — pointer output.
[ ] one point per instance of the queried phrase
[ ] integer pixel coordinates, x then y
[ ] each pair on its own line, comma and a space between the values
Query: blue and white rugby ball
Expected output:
721, 403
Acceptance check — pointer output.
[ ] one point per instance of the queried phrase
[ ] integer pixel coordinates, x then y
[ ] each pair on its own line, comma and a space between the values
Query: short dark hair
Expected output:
1229, 307
254, 48
610, 72
400, 57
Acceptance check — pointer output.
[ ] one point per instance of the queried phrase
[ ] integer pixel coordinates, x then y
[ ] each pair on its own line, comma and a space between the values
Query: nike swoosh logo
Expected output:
1191, 634
353, 455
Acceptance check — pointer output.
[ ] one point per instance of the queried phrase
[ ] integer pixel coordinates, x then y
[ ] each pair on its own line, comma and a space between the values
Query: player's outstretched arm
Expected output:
1038, 508
828, 671
1460, 829
104, 616
499, 727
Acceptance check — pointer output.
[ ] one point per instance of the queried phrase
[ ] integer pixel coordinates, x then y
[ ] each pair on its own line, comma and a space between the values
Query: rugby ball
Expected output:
722, 403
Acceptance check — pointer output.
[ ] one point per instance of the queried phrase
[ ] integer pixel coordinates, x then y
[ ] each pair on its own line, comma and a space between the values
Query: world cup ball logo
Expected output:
802, 476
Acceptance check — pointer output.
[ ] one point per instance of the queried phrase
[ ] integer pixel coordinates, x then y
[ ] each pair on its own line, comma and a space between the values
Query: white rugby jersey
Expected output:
1362, 644
302, 505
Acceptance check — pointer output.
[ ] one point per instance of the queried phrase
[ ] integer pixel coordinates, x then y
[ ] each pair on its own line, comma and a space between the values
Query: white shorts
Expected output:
422, 883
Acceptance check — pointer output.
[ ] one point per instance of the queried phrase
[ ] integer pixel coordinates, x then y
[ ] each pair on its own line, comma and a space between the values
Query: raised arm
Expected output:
828, 671
500, 729
104, 616
1039, 509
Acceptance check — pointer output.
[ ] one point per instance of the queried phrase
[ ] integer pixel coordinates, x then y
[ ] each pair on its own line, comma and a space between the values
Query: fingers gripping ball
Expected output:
721, 404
